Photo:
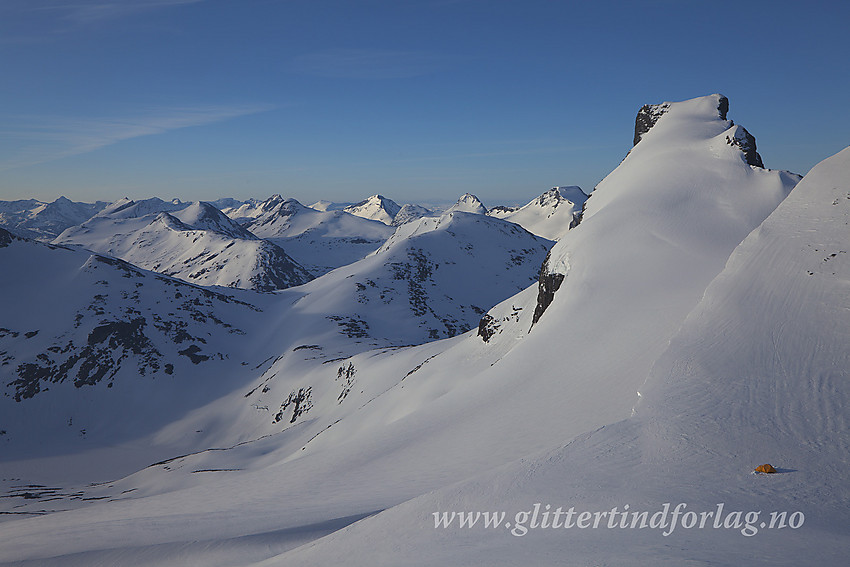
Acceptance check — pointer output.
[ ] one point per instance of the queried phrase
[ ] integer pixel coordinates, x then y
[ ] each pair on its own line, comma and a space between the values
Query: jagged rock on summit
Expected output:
647, 117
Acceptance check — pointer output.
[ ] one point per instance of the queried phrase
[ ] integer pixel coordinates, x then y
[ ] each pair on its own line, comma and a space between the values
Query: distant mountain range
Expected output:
194, 242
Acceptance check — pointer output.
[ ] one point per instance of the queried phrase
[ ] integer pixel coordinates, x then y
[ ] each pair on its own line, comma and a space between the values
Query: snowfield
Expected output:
690, 323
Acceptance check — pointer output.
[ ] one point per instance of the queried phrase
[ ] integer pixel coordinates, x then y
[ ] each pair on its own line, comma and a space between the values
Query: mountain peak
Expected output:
201, 215
271, 202
376, 207
468, 203
712, 106
169, 221
687, 121
549, 215
409, 212
556, 195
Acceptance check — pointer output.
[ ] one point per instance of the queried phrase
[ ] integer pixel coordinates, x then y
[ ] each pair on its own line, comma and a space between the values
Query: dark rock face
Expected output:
579, 215
548, 284
107, 346
747, 144
487, 327
503, 210
5, 237
118, 328
723, 107
279, 270
647, 117
300, 402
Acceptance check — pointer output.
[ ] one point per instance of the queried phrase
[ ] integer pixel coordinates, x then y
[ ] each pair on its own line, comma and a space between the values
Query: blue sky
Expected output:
419, 100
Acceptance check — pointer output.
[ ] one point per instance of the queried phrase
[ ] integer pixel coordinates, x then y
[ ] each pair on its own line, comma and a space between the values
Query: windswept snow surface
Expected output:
758, 373
341, 432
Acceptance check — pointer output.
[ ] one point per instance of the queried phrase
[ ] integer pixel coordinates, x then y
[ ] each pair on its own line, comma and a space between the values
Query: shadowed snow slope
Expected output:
758, 373
96, 351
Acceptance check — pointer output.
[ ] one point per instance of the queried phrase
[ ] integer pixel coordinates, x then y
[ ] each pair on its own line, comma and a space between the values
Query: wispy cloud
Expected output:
369, 63
29, 21
98, 10
33, 140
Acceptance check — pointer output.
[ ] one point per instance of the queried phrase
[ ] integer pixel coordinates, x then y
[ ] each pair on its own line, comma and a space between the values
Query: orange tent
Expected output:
766, 468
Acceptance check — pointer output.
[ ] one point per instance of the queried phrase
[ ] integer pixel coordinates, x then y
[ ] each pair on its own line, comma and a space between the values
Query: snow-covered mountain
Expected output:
45, 221
95, 350
241, 211
229, 204
434, 278
325, 205
194, 242
127, 208
550, 215
567, 357
410, 212
737, 349
468, 203
320, 241
376, 207
758, 373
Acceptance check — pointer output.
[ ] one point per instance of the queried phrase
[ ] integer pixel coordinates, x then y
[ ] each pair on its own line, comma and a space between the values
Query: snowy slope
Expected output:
550, 215
410, 212
433, 415
242, 211
758, 373
434, 278
615, 290
362, 432
96, 351
468, 203
44, 221
376, 207
127, 208
325, 205
194, 242
229, 204
320, 241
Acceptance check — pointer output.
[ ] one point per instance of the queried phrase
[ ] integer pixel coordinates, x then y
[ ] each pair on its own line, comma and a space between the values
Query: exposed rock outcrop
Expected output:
547, 284
746, 142
647, 117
